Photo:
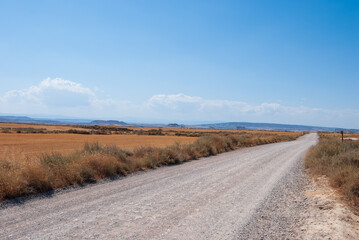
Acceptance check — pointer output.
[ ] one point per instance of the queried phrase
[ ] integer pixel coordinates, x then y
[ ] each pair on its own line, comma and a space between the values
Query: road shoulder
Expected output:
327, 216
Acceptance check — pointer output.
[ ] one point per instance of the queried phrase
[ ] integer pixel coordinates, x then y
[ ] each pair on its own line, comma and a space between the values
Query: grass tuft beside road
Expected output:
339, 161
19, 177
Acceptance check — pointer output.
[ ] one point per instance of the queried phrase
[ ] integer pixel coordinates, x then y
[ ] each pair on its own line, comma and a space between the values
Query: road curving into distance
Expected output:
219, 197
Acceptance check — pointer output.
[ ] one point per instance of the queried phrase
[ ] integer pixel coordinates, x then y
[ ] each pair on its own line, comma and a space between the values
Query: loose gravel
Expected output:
280, 213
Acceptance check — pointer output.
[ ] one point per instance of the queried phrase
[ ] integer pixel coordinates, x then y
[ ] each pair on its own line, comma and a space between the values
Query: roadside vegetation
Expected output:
29, 175
115, 130
339, 161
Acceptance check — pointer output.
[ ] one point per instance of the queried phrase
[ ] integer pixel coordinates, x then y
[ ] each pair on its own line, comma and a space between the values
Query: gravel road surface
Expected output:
251, 193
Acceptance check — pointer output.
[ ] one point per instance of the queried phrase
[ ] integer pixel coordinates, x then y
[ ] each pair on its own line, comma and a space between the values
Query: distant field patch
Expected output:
20, 145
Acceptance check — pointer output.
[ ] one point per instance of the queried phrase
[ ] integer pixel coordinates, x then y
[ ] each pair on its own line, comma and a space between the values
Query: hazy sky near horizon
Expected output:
293, 62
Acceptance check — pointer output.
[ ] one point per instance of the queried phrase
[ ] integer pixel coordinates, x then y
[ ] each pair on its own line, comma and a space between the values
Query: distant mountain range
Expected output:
225, 125
23, 119
273, 126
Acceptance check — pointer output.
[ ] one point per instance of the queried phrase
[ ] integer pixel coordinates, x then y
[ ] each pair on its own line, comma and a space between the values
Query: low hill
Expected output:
23, 119
222, 125
273, 127
108, 123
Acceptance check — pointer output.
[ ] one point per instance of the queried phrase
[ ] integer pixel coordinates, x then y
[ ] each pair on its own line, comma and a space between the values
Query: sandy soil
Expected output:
327, 216
354, 139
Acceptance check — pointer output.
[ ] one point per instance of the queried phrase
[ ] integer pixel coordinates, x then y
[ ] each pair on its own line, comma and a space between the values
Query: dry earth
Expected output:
254, 193
21, 145
52, 127
353, 139
24, 144
49, 127
219, 197
327, 216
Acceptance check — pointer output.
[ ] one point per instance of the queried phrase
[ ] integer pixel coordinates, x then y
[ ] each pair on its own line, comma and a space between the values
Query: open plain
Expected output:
19, 141
27, 144
213, 198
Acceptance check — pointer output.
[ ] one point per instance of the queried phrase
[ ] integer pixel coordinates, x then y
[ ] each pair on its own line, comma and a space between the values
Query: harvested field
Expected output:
212, 198
23, 144
166, 131
28, 140
41, 161
45, 126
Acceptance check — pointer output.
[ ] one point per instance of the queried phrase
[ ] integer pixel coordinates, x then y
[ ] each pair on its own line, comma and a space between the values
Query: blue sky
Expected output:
182, 61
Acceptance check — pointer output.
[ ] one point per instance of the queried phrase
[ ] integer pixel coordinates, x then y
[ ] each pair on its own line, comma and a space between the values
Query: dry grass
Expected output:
36, 126
34, 144
339, 161
22, 174
19, 139
51, 127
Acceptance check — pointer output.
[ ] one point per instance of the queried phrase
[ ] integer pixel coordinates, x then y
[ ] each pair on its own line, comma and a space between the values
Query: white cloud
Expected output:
190, 108
182, 101
56, 91
172, 101
63, 97
61, 84
60, 97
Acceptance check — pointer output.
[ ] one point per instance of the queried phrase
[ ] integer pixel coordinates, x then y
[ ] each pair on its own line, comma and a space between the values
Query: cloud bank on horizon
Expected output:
63, 97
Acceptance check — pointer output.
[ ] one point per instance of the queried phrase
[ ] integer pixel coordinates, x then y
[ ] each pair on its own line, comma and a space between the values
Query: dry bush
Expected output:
12, 184
339, 161
20, 177
36, 177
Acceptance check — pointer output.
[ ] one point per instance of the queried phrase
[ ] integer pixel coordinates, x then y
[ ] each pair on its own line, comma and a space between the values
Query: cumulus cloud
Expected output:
188, 103
68, 98
66, 85
183, 107
53, 92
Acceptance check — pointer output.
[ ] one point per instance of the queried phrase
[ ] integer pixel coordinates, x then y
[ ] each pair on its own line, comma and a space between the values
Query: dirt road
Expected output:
244, 194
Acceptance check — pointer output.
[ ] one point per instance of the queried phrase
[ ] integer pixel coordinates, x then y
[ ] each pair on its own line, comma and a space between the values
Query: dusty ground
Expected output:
327, 216
219, 197
22, 144
339, 136
352, 138
255, 193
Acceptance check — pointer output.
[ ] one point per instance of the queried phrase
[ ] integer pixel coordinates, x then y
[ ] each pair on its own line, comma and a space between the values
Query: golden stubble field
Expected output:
24, 145
27, 144
38, 158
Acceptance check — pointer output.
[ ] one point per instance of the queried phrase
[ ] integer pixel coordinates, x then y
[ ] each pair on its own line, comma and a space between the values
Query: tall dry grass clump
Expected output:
25, 176
339, 161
